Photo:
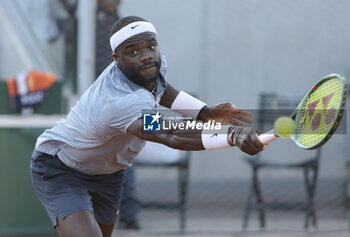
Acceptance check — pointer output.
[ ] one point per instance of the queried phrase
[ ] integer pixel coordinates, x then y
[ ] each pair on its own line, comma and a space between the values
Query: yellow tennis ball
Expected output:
284, 126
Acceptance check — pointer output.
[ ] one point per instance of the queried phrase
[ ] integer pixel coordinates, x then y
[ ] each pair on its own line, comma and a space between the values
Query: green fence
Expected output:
20, 210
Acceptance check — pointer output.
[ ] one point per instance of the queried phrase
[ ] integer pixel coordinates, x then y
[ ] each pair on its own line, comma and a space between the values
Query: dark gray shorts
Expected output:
63, 190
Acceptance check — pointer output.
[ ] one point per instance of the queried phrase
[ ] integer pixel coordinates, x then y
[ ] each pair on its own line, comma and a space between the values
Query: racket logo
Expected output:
328, 114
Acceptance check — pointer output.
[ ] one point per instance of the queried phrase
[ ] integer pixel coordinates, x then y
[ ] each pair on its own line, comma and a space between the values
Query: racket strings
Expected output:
319, 112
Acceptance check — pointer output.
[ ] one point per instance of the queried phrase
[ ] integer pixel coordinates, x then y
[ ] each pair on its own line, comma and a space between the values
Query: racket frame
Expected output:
271, 135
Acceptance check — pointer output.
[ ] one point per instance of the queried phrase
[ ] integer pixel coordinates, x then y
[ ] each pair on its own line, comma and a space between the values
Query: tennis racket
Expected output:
318, 114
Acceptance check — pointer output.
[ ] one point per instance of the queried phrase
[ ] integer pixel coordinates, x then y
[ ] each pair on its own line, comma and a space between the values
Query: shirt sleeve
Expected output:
121, 112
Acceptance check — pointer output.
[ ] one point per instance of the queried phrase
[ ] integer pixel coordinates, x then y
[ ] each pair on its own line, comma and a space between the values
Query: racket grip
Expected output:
267, 137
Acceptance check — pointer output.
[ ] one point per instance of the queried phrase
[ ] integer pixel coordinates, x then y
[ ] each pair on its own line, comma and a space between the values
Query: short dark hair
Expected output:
123, 22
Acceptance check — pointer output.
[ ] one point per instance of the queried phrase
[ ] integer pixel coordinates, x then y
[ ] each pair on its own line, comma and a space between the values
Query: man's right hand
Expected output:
247, 140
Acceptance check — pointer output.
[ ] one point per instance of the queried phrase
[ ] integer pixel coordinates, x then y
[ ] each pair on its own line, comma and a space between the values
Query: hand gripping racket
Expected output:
318, 114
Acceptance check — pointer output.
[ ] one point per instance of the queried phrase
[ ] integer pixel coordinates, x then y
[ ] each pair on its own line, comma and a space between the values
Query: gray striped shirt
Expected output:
93, 137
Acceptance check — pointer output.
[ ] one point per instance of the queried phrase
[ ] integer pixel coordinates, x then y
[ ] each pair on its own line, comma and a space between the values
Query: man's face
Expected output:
139, 58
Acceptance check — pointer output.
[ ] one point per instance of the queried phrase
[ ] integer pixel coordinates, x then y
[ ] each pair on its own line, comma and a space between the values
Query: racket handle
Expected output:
268, 137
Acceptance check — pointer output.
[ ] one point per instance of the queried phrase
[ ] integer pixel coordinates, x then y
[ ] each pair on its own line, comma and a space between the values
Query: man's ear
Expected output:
116, 57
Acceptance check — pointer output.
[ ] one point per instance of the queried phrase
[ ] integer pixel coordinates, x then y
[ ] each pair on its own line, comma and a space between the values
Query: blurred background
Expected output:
221, 51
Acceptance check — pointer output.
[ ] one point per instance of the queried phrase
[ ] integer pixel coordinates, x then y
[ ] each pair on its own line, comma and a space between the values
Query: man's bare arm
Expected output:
246, 139
225, 112
182, 141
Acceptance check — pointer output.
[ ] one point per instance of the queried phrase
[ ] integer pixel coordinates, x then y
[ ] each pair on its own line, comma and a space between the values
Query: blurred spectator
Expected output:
63, 21
106, 15
61, 13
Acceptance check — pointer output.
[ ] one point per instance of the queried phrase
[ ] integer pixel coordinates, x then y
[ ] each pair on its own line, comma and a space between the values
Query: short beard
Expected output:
136, 77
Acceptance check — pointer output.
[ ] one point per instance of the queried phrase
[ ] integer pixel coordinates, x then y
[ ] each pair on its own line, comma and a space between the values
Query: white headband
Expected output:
129, 31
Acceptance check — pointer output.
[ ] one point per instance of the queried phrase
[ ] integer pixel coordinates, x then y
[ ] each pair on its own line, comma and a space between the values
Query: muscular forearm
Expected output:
173, 139
225, 113
226, 137
185, 141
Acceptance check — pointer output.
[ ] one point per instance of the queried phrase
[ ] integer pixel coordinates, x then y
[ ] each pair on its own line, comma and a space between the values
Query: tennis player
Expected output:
77, 166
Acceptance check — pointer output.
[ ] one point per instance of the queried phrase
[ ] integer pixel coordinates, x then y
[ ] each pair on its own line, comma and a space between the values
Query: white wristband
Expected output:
187, 105
216, 139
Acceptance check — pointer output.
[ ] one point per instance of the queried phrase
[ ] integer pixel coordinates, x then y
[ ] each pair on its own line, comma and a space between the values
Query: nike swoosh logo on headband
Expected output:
133, 27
